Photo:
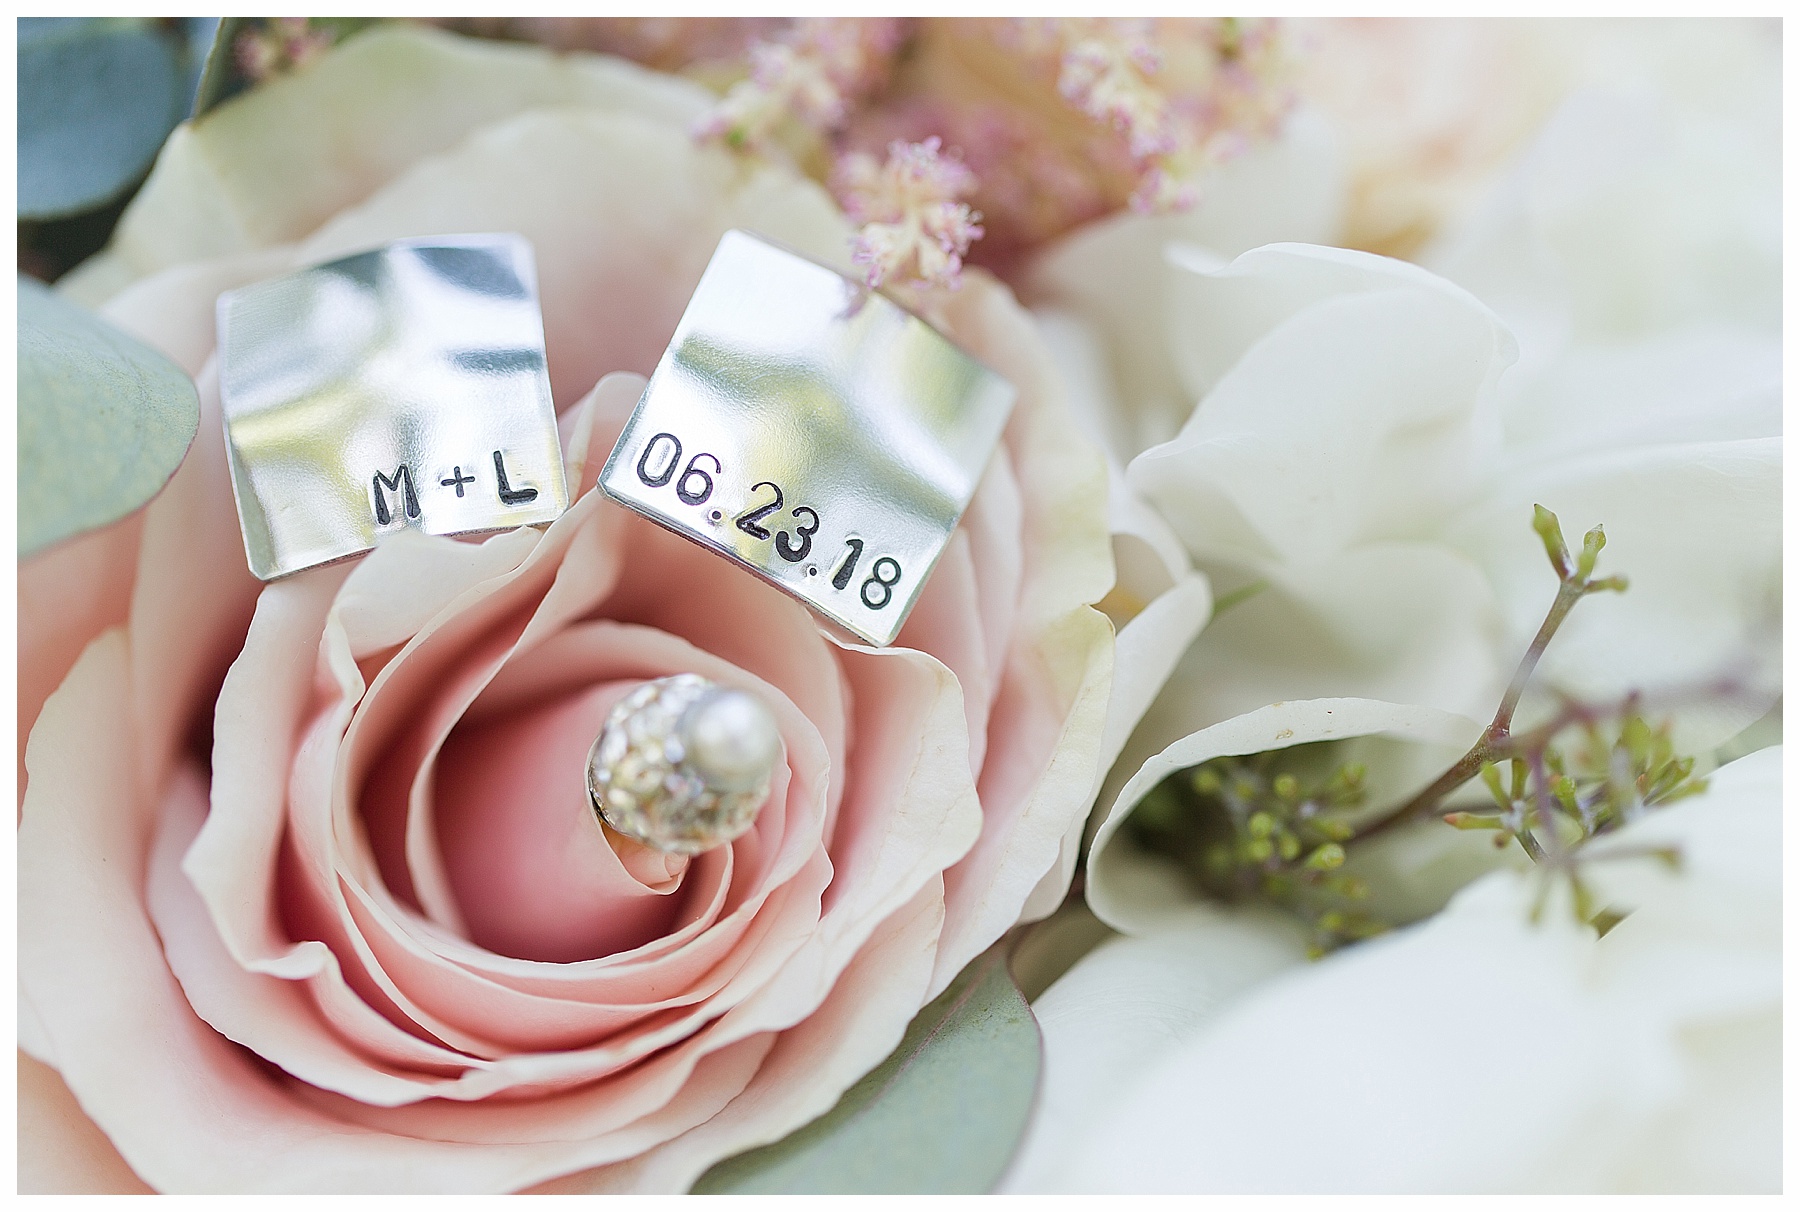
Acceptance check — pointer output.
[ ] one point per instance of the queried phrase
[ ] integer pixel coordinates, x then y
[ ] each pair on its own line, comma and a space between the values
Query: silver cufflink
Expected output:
403, 387
814, 432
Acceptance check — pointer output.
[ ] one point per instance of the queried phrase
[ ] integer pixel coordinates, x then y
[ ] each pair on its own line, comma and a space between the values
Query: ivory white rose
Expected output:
1478, 1051
1350, 447
1364, 440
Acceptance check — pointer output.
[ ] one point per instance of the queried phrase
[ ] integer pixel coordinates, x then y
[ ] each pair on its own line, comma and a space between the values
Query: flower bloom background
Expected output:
303, 904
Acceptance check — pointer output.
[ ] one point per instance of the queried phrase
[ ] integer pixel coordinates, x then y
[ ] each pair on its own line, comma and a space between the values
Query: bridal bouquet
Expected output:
1336, 750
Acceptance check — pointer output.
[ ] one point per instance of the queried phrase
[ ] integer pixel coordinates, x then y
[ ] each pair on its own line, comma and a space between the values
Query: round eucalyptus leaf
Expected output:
97, 97
220, 77
103, 420
942, 1115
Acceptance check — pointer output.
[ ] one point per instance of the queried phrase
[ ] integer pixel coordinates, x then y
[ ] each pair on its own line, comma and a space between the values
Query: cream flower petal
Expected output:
1363, 414
1405, 622
1148, 555
1632, 214
1146, 651
281, 160
1123, 1006
628, 256
1644, 1060
1114, 276
1695, 384
1696, 528
1044, 735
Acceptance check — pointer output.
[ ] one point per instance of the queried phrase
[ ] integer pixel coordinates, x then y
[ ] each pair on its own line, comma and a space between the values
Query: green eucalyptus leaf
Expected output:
97, 97
219, 77
103, 420
942, 1115
199, 37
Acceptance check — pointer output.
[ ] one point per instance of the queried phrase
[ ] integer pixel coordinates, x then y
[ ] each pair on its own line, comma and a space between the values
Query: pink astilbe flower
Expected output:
914, 229
1060, 120
1031, 188
812, 74
1186, 95
1106, 74
284, 44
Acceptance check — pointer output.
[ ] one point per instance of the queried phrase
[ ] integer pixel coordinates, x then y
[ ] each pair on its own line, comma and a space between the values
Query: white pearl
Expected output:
732, 741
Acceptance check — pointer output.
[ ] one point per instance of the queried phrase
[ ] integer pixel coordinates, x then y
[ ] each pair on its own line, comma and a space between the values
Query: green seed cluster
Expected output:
1252, 829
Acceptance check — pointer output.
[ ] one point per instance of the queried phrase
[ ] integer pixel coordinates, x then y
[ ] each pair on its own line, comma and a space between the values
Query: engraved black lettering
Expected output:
748, 521
883, 576
664, 441
508, 494
457, 480
401, 484
685, 487
841, 578
784, 543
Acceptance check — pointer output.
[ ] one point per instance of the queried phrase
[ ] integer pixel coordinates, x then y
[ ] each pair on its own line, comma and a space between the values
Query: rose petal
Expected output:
193, 581
132, 1041
77, 589
910, 808
1041, 767
533, 876
61, 1150
939, 624
592, 428
811, 1064
447, 999
68, 595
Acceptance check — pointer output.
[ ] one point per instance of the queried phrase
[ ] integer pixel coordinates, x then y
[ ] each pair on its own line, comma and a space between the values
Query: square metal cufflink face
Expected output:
813, 431
404, 387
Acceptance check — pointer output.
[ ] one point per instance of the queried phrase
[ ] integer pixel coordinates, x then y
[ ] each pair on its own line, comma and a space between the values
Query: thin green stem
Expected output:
1496, 741
1567, 594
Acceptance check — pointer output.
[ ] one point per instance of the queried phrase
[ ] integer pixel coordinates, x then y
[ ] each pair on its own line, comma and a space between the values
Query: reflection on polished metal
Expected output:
403, 387
812, 430
683, 764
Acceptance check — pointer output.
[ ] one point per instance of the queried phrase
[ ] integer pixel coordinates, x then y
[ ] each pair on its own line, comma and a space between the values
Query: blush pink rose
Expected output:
311, 897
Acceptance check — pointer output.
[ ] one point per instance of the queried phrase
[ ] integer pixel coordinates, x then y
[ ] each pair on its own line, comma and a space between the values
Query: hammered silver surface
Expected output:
786, 381
403, 387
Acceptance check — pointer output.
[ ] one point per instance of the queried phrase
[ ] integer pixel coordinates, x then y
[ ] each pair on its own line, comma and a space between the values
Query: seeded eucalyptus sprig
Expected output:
1248, 832
1244, 829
